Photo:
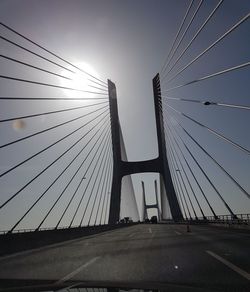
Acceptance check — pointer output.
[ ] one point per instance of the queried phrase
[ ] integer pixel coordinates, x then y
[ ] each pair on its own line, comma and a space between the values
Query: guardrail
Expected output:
25, 230
228, 219
220, 219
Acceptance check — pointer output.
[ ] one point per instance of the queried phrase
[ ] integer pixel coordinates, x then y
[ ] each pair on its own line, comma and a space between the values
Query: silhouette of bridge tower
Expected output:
122, 168
146, 206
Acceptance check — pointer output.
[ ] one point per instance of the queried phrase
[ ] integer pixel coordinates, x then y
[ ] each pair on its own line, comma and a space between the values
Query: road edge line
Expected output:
76, 271
230, 265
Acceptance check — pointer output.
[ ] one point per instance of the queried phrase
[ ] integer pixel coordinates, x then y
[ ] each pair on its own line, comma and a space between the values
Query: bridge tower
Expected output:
122, 168
151, 206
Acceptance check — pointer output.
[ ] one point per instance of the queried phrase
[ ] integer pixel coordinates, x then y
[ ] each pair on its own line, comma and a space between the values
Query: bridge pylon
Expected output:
146, 206
122, 168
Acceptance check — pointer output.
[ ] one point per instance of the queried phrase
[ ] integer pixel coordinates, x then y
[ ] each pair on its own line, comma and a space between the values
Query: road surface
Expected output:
206, 257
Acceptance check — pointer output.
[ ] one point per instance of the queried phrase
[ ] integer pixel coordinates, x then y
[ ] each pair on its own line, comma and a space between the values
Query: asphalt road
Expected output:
209, 258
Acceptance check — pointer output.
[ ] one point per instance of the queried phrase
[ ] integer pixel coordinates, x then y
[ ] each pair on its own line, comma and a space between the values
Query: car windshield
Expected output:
124, 145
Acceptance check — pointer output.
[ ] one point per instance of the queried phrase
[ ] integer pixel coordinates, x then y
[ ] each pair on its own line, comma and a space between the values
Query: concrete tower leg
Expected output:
166, 176
144, 205
157, 201
115, 199
123, 168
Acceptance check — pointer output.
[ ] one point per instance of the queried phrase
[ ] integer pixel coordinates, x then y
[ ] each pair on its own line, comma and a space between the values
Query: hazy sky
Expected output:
127, 42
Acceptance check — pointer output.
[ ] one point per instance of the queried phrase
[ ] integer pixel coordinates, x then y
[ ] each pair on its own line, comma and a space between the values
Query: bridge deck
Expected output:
205, 257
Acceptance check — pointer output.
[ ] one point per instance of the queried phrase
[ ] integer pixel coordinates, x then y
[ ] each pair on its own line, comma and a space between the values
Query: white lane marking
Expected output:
69, 287
78, 270
131, 235
230, 265
150, 230
177, 232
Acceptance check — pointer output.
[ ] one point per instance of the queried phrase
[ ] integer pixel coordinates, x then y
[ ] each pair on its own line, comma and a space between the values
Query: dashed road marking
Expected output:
78, 270
230, 265
150, 230
177, 232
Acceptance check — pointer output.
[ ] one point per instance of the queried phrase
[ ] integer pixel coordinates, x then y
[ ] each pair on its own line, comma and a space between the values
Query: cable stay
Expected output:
184, 33
213, 159
41, 172
52, 112
246, 107
181, 192
213, 186
50, 52
174, 152
46, 148
96, 87
35, 54
208, 102
47, 71
191, 171
59, 197
211, 46
58, 177
50, 85
50, 128
106, 188
108, 191
209, 76
94, 183
177, 189
178, 186
179, 198
99, 84
52, 98
166, 63
183, 183
35, 67
83, 177
217, 134
101, 172
106, 167
102, 143
91, 176
194, 37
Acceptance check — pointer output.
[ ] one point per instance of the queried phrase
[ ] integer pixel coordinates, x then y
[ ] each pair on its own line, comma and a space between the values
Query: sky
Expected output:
128, 42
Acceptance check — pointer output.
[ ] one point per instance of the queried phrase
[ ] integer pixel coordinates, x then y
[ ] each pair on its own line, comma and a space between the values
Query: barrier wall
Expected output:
16, 242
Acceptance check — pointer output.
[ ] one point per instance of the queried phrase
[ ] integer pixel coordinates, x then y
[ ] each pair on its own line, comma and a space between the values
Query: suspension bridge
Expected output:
66, 181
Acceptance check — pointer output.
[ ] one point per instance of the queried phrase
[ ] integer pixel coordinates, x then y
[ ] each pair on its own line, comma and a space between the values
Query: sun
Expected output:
80, 81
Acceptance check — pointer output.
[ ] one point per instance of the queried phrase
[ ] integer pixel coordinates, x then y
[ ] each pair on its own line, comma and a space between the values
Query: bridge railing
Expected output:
220, 219
25, 230
228, 219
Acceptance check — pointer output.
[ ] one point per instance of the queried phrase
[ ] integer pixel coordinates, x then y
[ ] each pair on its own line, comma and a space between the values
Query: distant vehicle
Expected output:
128, 220
147, 220
153, 219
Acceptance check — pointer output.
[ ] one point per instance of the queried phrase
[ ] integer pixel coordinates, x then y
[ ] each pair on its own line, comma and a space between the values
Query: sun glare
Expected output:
80, 81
